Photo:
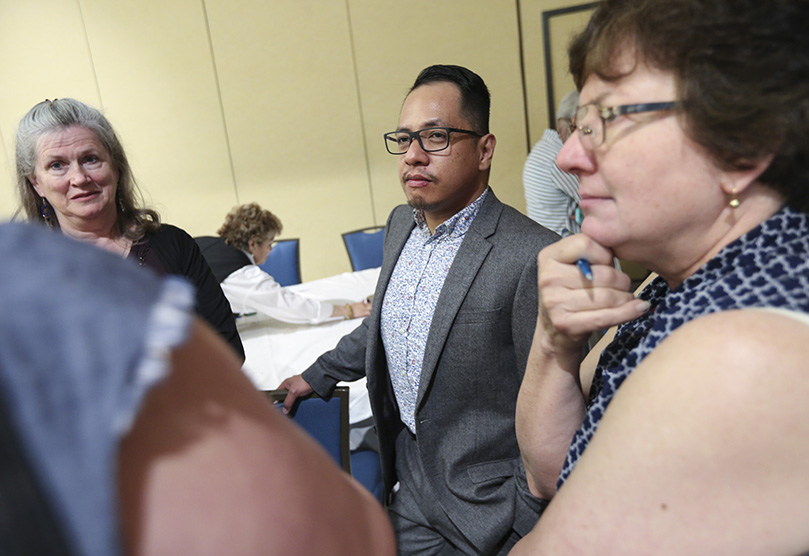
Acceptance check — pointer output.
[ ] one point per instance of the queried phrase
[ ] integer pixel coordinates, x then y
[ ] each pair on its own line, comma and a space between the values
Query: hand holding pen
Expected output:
583, 264
575, 303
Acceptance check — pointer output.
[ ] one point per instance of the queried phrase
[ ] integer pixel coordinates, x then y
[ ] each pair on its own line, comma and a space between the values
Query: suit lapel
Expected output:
474, 250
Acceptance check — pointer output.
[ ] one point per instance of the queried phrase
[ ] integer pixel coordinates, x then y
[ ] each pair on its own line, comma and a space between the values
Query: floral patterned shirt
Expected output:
411, 298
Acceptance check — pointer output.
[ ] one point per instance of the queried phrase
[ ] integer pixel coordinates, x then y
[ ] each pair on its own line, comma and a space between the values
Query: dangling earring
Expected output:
45, 211
734, 200
121, 207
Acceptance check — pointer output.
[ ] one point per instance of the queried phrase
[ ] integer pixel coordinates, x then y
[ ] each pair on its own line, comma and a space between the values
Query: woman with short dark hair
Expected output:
691, 145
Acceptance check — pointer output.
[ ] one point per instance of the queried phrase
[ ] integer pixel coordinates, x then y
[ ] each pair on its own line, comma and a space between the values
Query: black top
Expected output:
178, 254
223, 259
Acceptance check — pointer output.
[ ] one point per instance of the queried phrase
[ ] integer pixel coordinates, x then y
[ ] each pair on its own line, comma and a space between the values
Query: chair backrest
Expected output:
284, 262
367, 469
364, 247
325, 420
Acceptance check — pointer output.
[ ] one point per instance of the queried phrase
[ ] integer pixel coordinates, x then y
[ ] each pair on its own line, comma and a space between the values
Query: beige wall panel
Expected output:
396, 40
294, 93
287, 81
563, 28
157, 82
8, 200
44, 55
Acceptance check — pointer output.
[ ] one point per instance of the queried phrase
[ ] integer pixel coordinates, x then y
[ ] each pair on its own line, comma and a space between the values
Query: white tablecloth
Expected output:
275, 351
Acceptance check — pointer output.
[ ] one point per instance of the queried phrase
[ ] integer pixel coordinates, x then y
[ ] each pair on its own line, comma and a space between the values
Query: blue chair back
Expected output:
284, 262
367, 469
364, 247
325, 420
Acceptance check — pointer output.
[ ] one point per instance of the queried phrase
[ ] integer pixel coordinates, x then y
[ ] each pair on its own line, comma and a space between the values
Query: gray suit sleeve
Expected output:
346, 362
528, 508
524, 315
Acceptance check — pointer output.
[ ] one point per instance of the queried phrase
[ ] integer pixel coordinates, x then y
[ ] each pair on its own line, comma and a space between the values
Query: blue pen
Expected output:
583, 264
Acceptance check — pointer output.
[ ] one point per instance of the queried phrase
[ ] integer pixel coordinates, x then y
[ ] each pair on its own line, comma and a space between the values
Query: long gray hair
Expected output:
134, 220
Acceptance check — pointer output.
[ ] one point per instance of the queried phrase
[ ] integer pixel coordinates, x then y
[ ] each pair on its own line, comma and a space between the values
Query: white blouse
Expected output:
251, 290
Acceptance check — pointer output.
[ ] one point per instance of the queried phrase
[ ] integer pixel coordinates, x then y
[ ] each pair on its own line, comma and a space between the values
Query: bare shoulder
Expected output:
737, 346
211, 468
705, 436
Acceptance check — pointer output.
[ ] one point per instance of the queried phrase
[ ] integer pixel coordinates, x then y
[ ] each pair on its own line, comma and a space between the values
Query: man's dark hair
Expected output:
475, 97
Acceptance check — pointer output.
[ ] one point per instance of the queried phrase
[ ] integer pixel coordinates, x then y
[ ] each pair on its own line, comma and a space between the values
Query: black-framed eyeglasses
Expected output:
591, 119
431, 139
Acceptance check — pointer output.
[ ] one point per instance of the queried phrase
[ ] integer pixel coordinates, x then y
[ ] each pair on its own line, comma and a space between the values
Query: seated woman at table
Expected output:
691, 144
244, 242
127, 428
74, 177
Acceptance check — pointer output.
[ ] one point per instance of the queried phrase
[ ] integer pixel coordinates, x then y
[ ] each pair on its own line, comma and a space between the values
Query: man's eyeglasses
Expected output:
431, 139
591, 119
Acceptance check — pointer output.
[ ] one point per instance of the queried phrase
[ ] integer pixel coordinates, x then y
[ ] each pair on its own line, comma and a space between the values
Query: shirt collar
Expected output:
456, 225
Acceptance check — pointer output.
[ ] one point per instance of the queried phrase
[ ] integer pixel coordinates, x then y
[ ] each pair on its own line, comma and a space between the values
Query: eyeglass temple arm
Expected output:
616, 111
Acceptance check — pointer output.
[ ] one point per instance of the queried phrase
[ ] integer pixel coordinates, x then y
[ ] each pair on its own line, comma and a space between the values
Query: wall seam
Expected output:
221, 102
521, 51
359, 107
90, 54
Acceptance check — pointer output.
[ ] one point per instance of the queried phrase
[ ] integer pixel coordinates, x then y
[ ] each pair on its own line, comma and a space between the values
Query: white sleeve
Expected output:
250, 289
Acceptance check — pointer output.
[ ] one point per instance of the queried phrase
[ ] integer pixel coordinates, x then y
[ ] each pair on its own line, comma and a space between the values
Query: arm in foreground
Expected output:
700, 451
211, 468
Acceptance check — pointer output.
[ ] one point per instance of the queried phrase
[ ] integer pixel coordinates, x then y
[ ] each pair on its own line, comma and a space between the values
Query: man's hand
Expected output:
296, 387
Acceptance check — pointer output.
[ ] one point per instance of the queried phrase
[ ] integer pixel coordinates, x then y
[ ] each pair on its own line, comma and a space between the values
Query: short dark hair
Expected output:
475, 98
740, 66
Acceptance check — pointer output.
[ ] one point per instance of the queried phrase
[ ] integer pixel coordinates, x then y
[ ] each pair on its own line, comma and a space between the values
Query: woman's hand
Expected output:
361, 309
356, 310
571, 306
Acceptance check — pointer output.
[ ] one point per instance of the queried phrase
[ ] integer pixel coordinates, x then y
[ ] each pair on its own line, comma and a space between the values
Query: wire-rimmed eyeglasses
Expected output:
591, 119
431, 139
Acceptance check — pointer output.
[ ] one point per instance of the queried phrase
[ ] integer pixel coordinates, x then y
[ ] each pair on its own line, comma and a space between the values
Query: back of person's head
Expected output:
247, 222
475, 97
565, 114
568, 105
57, 115
740, 68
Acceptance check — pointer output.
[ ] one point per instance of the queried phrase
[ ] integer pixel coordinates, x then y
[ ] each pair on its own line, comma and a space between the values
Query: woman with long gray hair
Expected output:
73, 177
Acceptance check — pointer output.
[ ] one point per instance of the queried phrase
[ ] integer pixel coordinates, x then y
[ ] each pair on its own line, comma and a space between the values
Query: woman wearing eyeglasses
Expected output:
244, 243
687, 432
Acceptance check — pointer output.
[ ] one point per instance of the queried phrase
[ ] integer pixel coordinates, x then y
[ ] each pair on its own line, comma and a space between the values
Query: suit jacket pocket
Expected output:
478, 317
491, 470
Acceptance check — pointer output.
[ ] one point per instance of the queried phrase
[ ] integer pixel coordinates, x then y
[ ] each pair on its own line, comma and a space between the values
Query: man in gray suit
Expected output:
446, 344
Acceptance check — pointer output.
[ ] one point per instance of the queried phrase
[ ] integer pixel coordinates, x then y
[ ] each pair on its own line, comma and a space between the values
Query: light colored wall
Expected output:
563, 27
222, 102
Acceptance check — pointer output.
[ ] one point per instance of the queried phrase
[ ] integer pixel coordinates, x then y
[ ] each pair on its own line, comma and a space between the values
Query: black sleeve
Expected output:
180, 255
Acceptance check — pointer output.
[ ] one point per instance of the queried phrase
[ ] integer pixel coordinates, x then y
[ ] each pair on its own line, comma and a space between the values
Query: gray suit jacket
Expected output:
474, 362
